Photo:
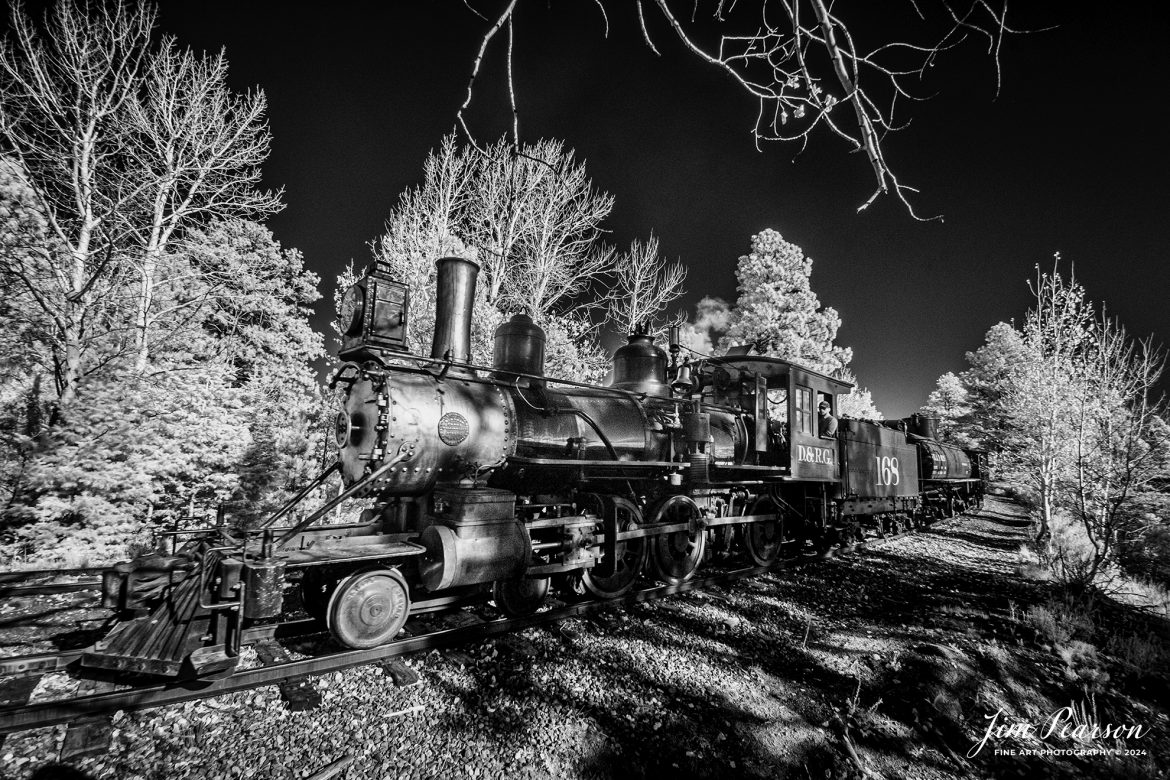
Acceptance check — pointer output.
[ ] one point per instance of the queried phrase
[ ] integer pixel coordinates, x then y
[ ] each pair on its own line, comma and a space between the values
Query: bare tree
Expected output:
536, 219
561, 254
428, 222
123, 146
1042, 391
532, 219
644, 285
63, 99
196, 156
1119, 433
502, 210
806, 66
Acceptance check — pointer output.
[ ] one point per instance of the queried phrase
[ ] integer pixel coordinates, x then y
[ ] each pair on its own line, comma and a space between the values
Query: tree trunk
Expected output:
70, 370
1045, 532
142, 317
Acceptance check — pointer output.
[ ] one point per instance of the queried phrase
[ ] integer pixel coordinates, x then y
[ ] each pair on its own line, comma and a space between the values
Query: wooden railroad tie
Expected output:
16, 692
402, 675
89, 735
299, 694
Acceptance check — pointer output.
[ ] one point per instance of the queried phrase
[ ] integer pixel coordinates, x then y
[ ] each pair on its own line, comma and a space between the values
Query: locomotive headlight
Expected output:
352, 311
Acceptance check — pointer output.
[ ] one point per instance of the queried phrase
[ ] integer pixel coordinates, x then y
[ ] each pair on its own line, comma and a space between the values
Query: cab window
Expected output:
804, 409
778, 404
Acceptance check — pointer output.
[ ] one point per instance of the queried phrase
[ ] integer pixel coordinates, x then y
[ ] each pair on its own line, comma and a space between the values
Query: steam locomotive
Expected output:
505, 480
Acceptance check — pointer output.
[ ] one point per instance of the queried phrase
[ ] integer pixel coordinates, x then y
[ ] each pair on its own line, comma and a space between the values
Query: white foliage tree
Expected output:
778, 313
858, 402
949, 402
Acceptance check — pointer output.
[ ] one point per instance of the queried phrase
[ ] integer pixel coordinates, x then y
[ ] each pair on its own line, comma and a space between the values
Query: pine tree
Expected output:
858, 402
778, 313
948, 402
992, 372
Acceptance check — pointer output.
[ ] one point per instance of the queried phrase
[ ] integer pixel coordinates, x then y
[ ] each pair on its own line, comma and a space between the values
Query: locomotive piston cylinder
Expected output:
475, 538
472, 555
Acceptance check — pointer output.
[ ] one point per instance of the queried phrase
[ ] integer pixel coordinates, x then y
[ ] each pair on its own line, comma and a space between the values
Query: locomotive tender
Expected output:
502, 478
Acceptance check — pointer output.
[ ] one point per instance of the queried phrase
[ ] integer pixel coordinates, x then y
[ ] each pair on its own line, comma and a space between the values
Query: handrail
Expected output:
356, 487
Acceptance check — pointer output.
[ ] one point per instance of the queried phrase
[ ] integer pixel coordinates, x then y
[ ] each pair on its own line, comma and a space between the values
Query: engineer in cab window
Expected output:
827, 423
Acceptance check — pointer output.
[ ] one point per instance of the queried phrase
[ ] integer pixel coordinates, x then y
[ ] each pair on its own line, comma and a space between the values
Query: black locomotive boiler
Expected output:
500, 478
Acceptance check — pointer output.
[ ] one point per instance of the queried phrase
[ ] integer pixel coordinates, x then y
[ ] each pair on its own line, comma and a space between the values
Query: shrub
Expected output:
1147, 554
1030, 566
1048, 625
1082, 665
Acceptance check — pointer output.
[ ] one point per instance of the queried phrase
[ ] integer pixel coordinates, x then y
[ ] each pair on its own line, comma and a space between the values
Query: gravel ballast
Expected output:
884, 661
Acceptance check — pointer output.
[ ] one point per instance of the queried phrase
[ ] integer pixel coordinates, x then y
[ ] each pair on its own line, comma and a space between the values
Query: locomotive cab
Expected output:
782, 398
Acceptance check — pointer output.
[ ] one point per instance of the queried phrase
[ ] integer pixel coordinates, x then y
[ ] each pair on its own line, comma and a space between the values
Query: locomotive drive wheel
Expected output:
763, 541
676, 557
521, 596
369, 607
630, 557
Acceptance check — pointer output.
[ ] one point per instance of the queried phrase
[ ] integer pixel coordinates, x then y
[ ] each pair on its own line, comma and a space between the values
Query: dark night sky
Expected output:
1068, 158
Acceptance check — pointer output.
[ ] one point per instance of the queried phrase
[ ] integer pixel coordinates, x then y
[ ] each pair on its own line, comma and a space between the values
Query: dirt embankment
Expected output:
889, 662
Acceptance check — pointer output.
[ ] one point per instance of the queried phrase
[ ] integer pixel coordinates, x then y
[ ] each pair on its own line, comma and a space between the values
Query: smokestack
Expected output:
454, 294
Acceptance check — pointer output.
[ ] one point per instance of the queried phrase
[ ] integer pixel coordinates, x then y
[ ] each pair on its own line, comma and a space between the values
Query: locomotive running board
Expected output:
320, 554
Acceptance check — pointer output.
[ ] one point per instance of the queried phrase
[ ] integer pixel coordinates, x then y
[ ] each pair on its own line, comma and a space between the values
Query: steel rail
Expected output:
34, 663
49, 588
62, 711
52, 713
21, 576
55, 662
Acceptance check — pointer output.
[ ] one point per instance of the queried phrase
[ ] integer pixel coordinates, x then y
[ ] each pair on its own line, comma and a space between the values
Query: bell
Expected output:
683, 382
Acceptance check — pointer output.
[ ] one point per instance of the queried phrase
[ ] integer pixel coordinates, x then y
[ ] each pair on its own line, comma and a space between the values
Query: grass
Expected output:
1141, 652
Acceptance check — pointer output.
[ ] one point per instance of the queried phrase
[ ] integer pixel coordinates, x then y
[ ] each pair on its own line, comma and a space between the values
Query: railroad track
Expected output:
79, 708
14, 584
17, 577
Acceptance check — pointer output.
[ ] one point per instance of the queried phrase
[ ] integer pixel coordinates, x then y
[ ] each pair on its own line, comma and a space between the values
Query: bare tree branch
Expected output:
799, 65
645, 285
487, 39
